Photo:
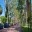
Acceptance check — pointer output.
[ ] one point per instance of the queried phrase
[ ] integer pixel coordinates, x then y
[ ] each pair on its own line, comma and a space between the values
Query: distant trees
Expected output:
20, 9
20, 6
10, 6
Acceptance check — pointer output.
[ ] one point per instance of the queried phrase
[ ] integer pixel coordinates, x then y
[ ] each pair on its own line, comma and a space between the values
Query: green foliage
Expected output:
28, 1
6, 14
0, 9
3, 19
25, 29
20, 7
13, 6
9, 20
29, 19
20, 3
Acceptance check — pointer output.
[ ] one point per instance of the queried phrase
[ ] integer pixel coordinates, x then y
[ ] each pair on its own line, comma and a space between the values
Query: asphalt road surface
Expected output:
15, 28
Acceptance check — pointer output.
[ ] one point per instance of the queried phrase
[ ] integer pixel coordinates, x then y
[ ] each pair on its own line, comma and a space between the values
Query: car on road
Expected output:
6, 25
1, 26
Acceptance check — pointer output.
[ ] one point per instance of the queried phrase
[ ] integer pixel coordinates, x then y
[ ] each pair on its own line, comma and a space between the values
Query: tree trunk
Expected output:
28, 11
28, 8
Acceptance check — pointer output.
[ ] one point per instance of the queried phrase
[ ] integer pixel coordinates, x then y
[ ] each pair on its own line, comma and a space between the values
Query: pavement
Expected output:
15, 28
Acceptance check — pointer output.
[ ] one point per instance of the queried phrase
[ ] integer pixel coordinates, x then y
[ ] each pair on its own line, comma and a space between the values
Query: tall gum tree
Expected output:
20, 8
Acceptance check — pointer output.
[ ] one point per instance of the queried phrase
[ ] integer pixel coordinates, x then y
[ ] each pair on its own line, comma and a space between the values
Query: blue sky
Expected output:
3, 7
31, 1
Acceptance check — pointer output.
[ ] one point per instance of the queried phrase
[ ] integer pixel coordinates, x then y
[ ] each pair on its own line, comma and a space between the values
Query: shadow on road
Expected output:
3, 30
19, 29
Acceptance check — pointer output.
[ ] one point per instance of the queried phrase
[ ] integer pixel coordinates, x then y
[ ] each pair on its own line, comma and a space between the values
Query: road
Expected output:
15, 28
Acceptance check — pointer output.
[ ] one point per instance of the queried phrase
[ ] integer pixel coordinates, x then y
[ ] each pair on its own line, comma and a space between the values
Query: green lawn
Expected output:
26, 29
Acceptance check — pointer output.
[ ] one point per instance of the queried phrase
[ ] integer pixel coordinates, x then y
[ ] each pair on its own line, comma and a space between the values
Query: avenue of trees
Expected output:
16, 6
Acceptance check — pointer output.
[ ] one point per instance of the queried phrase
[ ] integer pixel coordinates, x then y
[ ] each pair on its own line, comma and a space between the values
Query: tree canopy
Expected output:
0, 9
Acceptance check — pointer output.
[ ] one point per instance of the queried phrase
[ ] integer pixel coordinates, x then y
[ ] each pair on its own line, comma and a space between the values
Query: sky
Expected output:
31, 1
3, 7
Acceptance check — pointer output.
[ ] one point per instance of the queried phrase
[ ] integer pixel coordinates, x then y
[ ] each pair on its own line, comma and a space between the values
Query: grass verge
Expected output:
26, 29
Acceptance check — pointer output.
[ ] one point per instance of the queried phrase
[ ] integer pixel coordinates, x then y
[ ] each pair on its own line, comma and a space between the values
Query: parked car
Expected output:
1, 26
6, 25
12, 24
